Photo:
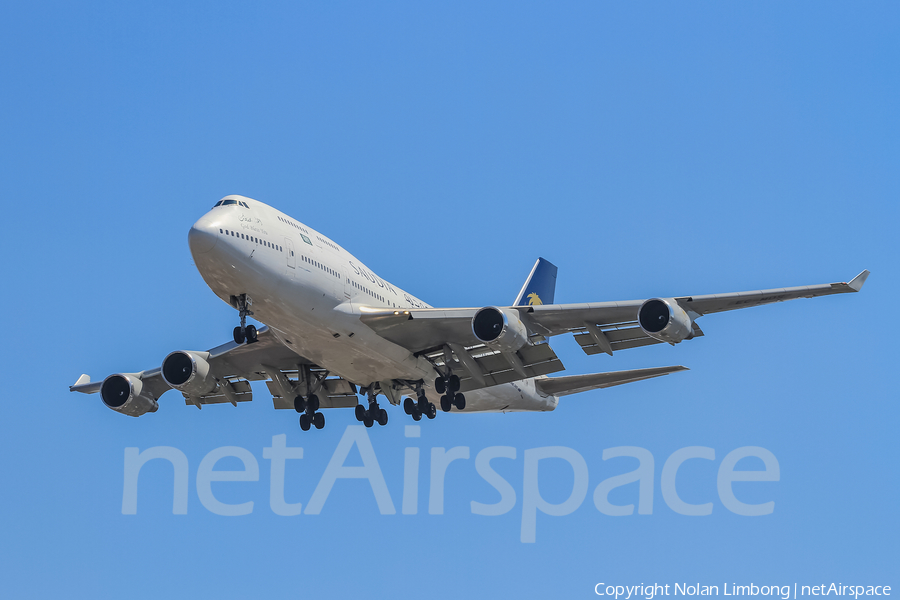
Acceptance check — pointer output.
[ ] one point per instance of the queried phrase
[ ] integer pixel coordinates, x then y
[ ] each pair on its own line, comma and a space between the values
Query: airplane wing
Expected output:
446, 337
610, 326
231, 368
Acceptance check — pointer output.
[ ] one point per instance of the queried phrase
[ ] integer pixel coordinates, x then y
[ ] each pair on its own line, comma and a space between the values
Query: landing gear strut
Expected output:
420, 406
244, 332
309, 416
449, 386
374, 414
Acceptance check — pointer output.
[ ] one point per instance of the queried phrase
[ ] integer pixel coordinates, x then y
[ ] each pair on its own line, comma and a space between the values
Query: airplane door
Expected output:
347, 288
291, 260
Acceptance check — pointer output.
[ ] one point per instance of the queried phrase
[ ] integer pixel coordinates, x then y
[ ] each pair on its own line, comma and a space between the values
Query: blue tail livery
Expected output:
540, 286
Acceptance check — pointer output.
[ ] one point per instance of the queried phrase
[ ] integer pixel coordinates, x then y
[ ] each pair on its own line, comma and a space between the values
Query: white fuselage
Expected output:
309, 291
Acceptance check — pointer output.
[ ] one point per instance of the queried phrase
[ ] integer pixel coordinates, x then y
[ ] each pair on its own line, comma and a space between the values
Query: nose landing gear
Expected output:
244, 332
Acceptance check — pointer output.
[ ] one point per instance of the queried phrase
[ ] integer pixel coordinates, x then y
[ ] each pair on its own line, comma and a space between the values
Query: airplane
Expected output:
333, 329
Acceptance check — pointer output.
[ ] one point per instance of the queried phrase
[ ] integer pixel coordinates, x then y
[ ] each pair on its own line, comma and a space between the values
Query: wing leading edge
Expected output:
233, 366
597, 326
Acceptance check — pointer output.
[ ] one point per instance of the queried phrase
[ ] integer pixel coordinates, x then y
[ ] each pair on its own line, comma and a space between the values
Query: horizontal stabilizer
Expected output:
573, 384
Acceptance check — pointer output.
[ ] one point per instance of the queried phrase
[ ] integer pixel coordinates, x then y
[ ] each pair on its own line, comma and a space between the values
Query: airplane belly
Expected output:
519, 396
306, 321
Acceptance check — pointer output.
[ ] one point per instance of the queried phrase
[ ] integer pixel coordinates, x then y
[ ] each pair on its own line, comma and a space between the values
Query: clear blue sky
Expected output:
646, 149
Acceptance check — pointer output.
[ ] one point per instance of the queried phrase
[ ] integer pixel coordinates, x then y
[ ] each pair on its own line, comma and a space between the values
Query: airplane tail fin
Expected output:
540, 287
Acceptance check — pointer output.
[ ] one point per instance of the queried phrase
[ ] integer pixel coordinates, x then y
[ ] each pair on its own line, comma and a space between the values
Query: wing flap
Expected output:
334, 393
242, 393
496, 368
590, 347
419, 330
622, 337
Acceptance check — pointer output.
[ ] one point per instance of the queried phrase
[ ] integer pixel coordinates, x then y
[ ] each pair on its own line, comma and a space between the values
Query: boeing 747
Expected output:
333, 329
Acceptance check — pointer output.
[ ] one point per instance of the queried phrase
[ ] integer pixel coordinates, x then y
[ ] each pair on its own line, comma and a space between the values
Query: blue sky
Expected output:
646, 149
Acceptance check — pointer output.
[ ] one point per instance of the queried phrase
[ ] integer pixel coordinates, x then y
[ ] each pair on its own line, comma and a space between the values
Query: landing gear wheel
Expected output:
440, 385
367, 421
417, 416
360, 413
460, 401
445, 403
304, 422
423, 405
243, 333
312, 403
319, 420
299, 404
409, 406
453, 383
432, 411
382, 417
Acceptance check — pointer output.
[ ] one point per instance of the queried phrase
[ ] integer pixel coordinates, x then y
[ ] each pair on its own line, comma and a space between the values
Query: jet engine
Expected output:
122, 393
188, 372
664, 319
500, 329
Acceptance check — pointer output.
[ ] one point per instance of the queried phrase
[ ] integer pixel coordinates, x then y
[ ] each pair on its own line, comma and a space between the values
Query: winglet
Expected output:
85, 385
857, 282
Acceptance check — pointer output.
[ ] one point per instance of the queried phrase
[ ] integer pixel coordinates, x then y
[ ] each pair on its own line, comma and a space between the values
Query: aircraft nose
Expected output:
203, 236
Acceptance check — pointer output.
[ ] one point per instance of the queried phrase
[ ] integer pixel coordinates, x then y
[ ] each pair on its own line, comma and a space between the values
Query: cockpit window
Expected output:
227, 202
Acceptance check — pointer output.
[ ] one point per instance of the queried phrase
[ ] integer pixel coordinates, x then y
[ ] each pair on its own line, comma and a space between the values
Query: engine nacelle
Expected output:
188, 372
664, 319
122, 393
500, 329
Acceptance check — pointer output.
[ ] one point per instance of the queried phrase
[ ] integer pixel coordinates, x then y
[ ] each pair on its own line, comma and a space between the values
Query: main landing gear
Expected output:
419, 407
449, 387
245, 332
308, 409
375, 414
